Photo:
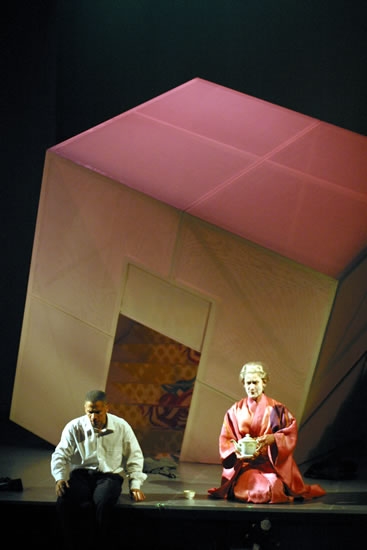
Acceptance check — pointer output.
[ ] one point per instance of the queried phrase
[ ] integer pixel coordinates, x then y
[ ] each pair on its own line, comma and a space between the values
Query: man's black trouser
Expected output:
84, 511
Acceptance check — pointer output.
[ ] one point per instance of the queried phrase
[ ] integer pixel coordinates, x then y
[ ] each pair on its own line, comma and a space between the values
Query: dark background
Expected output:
69, 65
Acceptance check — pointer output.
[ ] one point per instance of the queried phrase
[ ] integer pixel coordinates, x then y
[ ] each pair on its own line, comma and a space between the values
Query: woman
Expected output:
271, 474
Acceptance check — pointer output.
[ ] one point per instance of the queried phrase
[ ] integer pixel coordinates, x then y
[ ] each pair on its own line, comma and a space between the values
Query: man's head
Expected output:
96, 408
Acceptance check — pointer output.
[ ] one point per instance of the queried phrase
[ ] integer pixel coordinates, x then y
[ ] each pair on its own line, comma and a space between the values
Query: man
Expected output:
95, 453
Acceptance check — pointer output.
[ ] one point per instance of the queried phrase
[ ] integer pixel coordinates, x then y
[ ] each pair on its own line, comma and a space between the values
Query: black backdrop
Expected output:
68, 65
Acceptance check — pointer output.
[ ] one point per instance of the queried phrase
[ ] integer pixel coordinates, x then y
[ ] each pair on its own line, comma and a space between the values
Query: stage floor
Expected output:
24, 456
340, 514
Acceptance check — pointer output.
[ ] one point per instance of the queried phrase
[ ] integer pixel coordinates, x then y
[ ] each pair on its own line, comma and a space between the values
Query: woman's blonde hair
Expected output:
254, 366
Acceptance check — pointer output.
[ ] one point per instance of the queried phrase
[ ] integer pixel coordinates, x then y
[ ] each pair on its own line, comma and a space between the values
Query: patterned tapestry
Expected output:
150, 384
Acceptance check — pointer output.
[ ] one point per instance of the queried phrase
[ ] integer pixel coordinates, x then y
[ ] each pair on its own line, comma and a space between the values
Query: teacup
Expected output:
189, 494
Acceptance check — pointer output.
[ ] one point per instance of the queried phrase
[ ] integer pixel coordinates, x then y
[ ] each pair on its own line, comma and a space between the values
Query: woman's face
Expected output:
254, 385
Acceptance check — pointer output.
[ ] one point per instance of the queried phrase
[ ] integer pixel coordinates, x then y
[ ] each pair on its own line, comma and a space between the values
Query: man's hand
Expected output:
137, 495
61, 487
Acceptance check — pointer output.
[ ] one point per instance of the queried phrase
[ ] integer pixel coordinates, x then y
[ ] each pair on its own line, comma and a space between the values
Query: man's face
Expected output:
97, 413
254, 385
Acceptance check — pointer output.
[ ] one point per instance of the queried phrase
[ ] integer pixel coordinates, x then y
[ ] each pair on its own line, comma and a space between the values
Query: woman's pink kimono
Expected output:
272, 477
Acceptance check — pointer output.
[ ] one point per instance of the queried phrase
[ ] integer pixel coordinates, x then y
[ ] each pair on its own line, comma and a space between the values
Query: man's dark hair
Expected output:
95, 395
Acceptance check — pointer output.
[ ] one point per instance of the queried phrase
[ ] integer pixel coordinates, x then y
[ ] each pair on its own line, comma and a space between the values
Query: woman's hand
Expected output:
262, 445
264, 441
